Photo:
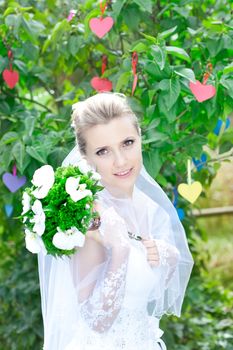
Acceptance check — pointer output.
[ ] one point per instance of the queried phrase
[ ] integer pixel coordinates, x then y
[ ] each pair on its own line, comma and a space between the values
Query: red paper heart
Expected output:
101, 26
201, 91
11, 77
101, 84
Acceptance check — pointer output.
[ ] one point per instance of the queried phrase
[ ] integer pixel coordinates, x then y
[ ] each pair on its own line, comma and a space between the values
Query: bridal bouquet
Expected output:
58, 208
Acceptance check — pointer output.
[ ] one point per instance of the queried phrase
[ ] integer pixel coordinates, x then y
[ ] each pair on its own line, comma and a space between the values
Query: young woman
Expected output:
135, 265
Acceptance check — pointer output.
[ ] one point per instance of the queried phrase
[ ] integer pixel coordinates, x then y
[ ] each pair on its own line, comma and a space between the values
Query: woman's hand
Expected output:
152, 251
112, 232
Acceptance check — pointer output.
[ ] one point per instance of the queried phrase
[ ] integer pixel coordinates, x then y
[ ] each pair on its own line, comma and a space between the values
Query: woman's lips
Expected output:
125, 175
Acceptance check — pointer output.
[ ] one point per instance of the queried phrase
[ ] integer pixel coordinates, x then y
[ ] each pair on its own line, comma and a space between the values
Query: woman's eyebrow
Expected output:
128, 137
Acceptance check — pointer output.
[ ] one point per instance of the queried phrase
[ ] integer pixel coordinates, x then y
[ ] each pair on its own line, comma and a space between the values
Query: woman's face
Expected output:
113, 149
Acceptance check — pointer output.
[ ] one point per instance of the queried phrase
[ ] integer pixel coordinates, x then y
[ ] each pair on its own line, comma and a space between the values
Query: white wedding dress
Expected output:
116, 303
133, 328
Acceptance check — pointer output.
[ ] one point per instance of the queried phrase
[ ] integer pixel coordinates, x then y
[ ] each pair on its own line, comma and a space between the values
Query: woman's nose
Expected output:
119, 159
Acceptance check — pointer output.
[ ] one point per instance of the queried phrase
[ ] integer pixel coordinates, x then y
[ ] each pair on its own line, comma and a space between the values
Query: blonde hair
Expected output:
100, 109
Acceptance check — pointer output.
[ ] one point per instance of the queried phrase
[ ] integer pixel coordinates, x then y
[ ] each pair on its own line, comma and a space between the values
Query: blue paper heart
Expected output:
219, 124
228, 123
180, 213
200, 163
8, 209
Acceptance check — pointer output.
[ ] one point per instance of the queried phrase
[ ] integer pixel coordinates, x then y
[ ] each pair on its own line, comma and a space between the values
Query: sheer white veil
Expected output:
59, 280
171, 231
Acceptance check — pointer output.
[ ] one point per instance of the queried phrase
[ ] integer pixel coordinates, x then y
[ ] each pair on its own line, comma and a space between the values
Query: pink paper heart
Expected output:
101, 26
101, 84
13, 182
201, 91
11, 77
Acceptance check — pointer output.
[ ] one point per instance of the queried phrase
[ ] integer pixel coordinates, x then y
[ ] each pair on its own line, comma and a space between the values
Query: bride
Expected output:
135, 264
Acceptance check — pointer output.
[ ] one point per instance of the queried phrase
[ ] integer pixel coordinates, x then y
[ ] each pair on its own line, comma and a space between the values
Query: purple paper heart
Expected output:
13, 182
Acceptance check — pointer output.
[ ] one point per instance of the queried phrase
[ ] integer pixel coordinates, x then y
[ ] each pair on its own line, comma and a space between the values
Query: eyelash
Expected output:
99, 152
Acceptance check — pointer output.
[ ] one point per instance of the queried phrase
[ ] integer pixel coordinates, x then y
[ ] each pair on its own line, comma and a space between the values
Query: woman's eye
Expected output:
131, 142
100, 152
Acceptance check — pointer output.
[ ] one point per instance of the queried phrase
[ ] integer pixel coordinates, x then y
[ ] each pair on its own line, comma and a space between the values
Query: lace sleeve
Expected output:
104, 299
168, 257
102, 307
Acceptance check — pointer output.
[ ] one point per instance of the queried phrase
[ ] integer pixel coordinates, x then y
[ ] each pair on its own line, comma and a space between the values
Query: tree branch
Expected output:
27, 99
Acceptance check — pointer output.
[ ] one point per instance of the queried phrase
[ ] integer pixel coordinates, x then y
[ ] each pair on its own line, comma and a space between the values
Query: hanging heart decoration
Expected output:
12, 181
190, 191
101, 26
10, 76
200, 163
134, 69
201, 91
180, 211
219, 125
8, 209
102, 84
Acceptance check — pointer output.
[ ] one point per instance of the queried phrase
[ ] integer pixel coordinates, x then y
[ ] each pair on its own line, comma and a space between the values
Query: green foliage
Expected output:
56, 60
208, 315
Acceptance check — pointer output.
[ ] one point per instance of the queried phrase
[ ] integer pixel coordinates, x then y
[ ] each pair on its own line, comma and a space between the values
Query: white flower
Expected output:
83, 166
26, 203
33, 242
43, 179
95, 176
39, 218
72, 184
68, 239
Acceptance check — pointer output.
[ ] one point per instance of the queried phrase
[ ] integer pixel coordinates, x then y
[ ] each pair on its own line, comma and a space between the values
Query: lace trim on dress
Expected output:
100, 310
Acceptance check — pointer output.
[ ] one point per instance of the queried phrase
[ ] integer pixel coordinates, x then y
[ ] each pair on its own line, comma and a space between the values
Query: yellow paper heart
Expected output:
190, 192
